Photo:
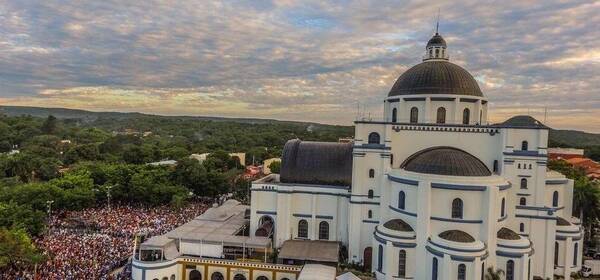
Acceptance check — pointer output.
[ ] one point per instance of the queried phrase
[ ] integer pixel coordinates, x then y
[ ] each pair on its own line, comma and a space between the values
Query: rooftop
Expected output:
445, 161
310, 250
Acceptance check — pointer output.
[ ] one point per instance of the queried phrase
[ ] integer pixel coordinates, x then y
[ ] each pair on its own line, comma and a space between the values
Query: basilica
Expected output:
430, 191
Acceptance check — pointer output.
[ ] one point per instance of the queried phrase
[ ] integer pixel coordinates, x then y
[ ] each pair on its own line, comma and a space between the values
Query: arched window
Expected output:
523, 183
441, 115
303, 229
437, 53
457, 208
575, 249
530, 166
173, 277
510, 270
370, 214
496, 165
371, 173
217, 276
323, 230
462, 272
239, 277
524, 146
434, 269
431, 53
555, 199
401, 200
262, 278
374, 138
555, 253
481, 116
195, 275
402, 263
394, 115
380, 258
414, 115
466, 116
519, 166
165, 278
502, 207
522, 227
370, 194
522, 201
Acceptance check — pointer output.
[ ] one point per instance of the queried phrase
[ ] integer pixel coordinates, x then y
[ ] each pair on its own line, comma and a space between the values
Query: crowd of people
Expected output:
92, 243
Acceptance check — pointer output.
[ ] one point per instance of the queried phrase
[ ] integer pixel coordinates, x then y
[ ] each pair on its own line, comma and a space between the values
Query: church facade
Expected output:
431, 191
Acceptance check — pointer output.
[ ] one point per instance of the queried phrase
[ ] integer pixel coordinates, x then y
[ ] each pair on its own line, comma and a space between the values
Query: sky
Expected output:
295, 60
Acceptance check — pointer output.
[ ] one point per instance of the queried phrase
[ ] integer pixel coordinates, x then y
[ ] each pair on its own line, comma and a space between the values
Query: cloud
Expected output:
296, 60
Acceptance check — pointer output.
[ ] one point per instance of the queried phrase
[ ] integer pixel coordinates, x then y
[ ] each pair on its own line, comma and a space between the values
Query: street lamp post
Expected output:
108, 196
49, 205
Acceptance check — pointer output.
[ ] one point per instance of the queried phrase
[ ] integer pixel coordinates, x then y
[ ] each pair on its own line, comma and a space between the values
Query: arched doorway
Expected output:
239, 277
195, 275
367, 256
217, 276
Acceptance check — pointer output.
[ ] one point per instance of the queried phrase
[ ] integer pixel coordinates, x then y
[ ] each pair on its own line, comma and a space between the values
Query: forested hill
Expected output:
186, 126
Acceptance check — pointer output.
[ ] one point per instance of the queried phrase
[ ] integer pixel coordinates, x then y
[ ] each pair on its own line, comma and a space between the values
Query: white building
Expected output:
432, 191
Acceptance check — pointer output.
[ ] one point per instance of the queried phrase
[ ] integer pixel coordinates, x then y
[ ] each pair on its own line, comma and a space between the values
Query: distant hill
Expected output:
89, 116
563, 138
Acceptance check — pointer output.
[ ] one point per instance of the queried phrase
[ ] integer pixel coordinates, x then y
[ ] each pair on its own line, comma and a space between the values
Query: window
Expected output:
431, 53
496, 165
371, 173
380, 258
524, 146
323, 230
414, 115
303, 229
575, 249
262, 278
374, 138
401, 200
394, 115
522, 227
466, 116
217, 276
481, 116
457, 208
370, 214
522, 201
529, 269
370, 194
165, 278
530, 166
437, 53
434, 268
503, 207
519, 166
555, 199
523, 183
391, 159
462, 272
173, 277
510, 270
195, 275
555, 253
239, 277
402, 263
441, 115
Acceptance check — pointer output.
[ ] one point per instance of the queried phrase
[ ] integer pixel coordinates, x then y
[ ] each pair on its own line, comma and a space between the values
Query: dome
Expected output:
445, 161
436, 40
522, 121
457, 236
507, 234
398, 225
436, 77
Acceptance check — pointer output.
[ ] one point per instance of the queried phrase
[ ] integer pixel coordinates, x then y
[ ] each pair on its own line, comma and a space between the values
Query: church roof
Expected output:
507, 234
436, 40
308, 162
522, 121
560, 221
398, 225
457, 236
445, 161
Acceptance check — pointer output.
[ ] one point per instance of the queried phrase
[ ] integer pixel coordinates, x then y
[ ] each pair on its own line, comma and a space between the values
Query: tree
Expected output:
50, 125
5, 146
275, 167
16, 247
133, 154
586, 200
494, 274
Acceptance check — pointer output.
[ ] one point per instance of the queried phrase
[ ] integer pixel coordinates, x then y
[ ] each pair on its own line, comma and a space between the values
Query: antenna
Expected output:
545, 114
437, 24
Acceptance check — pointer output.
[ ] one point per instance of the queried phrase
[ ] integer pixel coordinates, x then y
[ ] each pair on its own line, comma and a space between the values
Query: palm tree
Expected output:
586, 200
494, 274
